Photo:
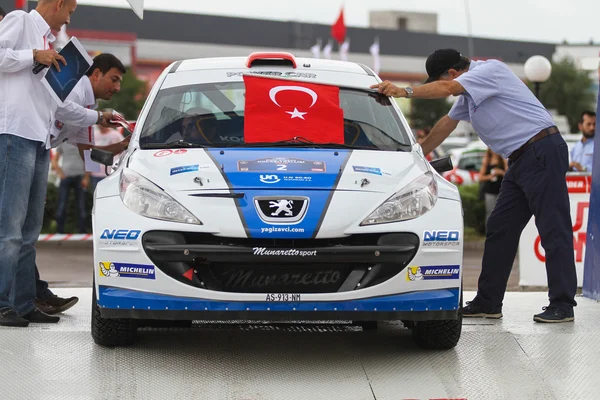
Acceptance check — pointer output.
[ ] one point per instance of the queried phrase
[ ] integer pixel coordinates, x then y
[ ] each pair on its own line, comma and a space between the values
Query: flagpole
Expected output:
469, 31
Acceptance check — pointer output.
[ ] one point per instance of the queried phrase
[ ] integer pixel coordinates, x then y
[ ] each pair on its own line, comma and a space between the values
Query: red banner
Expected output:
579, 184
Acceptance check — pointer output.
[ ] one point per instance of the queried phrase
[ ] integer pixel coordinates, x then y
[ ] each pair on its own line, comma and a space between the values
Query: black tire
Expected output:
438, 335
111, 332
366, 325
164, 323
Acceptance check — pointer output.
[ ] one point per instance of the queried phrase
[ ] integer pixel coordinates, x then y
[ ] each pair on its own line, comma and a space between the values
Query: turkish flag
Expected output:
277, 109
20, 4
338, 30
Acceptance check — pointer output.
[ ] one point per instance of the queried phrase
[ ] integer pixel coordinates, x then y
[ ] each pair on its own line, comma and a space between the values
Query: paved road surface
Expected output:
69, 264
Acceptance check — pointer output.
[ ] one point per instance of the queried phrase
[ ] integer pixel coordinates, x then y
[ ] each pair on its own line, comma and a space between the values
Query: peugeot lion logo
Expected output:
281, 210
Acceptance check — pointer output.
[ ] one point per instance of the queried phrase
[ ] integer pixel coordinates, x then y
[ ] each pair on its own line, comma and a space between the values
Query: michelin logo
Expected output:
432, 272
122, 270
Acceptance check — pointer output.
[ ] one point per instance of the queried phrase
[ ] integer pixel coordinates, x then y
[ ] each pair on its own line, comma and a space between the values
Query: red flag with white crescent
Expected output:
277, 109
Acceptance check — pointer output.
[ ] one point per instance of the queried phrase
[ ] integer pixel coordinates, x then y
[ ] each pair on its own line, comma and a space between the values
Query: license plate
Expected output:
283, 297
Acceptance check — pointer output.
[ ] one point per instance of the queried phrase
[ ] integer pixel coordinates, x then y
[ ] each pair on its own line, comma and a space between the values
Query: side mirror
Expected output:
102, 157
442, 164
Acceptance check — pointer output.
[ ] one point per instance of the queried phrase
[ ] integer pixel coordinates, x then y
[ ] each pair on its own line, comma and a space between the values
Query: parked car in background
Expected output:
467, 162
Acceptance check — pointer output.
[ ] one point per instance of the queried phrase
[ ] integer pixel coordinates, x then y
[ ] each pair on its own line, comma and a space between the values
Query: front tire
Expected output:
111, 332
438, 335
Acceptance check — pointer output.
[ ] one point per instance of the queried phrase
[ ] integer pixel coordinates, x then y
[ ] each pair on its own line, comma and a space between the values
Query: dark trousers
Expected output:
534, 185
41, 287
71, 182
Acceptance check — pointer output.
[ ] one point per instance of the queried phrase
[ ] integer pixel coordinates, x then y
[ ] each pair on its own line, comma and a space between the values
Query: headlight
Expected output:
145, 198
411, 202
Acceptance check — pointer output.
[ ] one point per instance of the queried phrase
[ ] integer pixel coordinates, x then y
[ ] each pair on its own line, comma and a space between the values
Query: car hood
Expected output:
278, 193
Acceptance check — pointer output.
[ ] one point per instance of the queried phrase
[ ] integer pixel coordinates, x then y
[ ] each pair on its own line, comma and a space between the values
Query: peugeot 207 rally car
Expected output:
203, 221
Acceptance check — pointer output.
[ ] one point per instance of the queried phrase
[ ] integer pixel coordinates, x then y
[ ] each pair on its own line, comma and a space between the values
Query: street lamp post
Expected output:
538, 70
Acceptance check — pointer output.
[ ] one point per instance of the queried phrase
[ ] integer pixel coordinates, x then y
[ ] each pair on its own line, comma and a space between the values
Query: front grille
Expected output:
354, 240
280, 276
316, 278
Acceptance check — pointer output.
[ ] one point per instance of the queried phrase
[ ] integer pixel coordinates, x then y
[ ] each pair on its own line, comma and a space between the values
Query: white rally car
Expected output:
195, 224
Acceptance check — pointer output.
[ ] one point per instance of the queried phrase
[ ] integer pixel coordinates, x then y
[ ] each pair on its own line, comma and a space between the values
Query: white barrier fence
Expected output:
532, 267
64, 237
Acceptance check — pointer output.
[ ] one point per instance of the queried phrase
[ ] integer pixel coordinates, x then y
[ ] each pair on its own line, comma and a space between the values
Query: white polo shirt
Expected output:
78, 131
26, 108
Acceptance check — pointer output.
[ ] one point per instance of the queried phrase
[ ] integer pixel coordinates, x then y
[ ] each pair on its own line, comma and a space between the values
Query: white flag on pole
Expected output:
138, 7
344, 49
327, 50
374, 50
316, 49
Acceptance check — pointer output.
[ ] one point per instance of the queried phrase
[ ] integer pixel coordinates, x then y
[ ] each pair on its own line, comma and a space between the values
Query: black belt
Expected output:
540, 135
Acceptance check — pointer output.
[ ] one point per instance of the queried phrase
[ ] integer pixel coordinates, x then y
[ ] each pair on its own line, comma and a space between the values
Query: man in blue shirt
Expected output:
582, 154
513, 123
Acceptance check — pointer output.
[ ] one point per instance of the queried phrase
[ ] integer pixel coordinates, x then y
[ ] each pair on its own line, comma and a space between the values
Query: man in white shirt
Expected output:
26, 114
101, 82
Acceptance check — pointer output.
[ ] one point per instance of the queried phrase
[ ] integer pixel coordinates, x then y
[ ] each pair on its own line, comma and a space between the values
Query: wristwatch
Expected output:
100, 117
409, 92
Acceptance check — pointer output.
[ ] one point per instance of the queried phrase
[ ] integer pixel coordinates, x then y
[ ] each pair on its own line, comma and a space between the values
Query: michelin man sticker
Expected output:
108, 270
415, 273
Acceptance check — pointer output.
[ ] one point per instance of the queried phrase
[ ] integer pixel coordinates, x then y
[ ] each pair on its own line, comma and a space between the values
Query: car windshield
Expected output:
212, 115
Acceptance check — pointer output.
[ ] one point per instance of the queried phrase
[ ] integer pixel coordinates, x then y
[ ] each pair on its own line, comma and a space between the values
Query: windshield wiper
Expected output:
177, 144
299, 141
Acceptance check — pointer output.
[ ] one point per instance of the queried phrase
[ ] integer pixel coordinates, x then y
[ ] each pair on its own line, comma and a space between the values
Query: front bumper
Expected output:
416, 306
242, 265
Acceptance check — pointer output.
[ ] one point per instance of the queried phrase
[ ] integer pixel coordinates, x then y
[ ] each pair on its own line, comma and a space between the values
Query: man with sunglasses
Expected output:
513, 123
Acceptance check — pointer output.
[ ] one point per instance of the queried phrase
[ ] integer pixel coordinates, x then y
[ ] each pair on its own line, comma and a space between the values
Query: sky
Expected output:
550, 21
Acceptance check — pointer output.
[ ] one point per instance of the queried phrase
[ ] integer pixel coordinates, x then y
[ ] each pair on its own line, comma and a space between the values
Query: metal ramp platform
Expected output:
513, 358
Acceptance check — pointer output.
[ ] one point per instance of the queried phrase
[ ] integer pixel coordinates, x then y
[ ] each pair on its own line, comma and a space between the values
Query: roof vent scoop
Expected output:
278, 59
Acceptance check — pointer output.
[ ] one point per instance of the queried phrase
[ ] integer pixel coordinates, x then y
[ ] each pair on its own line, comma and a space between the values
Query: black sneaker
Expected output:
554, 314
8, 317
475, 310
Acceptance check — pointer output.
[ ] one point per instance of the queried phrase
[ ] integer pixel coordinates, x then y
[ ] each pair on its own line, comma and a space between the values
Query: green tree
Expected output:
130, 100
426, 112
568, 90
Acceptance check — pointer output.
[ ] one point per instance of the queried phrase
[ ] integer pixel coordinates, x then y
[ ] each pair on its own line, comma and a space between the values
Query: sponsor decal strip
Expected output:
263, 251
183, 169
441, 238
124, 270
424, 273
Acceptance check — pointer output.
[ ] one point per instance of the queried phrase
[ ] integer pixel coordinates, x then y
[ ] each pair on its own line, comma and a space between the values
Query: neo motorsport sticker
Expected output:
432, 272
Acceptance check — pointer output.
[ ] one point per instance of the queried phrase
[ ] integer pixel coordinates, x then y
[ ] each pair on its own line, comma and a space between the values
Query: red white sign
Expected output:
168, 152
277, 110
579, 184
532, 258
